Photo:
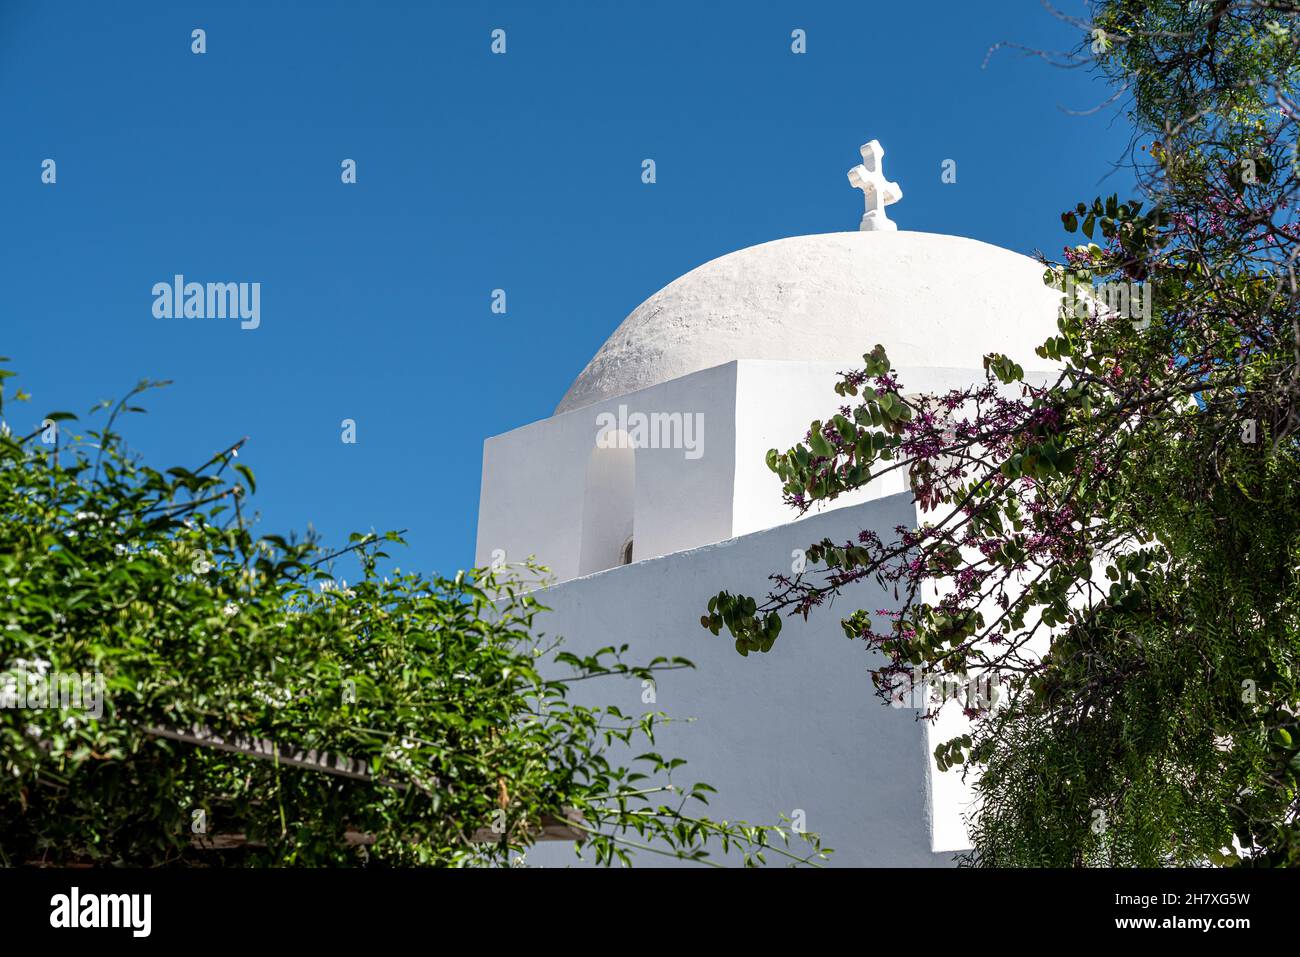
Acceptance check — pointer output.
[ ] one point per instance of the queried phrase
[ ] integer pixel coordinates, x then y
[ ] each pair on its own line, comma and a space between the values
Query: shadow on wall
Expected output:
608, 506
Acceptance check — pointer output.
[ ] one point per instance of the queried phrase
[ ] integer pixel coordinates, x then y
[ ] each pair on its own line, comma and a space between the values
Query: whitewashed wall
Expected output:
543, 489
535, 479
797, 728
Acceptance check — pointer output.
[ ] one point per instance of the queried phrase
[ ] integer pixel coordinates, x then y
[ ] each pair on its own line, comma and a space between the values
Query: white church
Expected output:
647, 492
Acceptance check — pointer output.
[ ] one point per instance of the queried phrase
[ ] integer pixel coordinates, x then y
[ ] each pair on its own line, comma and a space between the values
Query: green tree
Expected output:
412, 720
1119, 547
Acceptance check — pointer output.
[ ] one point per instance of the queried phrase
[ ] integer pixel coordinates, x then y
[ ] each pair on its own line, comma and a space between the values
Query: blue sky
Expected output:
475, 172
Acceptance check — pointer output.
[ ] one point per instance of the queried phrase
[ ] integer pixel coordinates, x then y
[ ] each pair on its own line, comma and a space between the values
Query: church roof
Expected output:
931, 300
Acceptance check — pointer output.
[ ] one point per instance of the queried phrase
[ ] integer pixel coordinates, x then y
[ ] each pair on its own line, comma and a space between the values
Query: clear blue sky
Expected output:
475, 172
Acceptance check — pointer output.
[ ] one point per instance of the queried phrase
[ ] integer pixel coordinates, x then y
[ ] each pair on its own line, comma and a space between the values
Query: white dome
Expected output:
932, 301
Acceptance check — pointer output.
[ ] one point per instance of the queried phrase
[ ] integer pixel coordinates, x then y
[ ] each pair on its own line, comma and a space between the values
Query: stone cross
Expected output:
878, 191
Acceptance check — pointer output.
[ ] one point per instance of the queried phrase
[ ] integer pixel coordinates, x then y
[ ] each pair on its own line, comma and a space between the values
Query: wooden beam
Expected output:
266, 749
552, 828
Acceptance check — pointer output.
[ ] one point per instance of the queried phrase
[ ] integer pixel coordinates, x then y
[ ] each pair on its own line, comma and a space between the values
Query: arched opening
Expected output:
608, 506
